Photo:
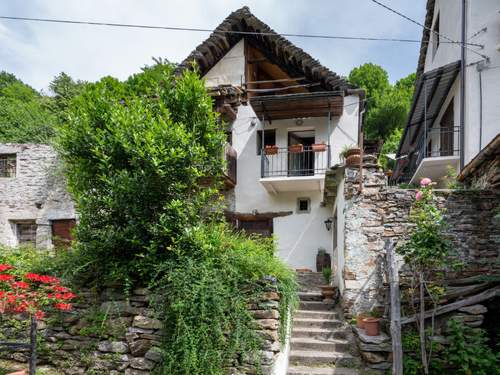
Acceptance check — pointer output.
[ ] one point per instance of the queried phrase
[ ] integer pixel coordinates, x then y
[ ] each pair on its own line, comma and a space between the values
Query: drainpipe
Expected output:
361, 95
462, 88
480, 68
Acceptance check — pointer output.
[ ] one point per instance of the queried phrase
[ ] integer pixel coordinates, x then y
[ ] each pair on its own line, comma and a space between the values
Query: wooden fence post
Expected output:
33, 331
397, 347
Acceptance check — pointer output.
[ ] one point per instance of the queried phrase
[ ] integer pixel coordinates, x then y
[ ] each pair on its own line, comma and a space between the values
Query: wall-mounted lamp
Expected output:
253, 122
328, 224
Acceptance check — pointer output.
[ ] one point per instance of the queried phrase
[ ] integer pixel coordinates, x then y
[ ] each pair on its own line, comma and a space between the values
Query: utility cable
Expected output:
433, 31
193, 29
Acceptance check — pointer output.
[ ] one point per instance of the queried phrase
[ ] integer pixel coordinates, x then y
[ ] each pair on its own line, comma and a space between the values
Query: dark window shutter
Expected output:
61, 232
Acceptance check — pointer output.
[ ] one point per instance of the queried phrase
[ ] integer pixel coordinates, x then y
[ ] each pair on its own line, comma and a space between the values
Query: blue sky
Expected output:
36, 52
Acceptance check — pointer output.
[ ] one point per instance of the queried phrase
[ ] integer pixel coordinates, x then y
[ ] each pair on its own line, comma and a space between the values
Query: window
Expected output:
435, 36
61, 232
264, 227
269, 139
303, 205
26, 232
8, 165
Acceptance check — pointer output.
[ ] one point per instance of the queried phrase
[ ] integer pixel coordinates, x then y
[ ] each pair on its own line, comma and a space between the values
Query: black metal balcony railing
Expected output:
295, 161
435, 142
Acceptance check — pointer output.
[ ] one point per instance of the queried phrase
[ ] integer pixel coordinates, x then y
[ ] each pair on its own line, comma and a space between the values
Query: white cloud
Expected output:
36, 52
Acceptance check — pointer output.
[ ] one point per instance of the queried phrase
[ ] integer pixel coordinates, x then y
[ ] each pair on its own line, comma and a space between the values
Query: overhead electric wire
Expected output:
194, 29
433, 31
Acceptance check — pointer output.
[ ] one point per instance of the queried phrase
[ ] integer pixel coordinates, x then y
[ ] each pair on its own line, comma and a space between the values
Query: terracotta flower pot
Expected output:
295, 149
372, 326
353, 157
271, 150
359, 320
328, 291
319, 147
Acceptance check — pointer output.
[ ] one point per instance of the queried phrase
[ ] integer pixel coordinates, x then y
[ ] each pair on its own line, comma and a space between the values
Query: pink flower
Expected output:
419, 195
425, 181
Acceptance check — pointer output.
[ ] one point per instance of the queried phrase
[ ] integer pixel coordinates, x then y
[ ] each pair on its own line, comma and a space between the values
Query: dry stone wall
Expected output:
109, 333
381, 212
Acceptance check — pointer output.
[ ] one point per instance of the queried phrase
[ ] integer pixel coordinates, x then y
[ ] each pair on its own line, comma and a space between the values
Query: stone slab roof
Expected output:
243, 24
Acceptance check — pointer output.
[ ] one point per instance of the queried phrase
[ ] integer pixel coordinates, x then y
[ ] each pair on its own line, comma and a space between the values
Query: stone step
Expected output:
305, 370
316, 323
314, 358
316, 314
316, 305
310, 296
322, 345
318, 333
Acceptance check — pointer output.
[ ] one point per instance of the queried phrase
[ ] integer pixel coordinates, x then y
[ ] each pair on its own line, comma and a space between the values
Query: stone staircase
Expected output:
321, 342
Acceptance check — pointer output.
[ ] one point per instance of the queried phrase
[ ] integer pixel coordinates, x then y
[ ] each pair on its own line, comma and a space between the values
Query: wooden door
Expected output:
61, 232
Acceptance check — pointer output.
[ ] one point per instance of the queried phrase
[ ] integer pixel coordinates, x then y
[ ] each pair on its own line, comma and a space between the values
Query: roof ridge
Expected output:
220, 41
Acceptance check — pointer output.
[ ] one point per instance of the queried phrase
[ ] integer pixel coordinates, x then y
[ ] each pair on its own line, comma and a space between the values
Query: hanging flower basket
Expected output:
271, 150
319, 147
296, 149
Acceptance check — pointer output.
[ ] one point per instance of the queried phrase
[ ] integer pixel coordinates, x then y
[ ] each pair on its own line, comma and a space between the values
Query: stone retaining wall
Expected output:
108, 333
381, 212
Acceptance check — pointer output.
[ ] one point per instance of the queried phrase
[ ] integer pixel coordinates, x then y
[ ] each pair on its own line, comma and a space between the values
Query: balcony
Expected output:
294, 168
436, 150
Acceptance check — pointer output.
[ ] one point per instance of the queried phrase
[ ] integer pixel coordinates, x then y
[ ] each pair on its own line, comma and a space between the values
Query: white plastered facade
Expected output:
298, 235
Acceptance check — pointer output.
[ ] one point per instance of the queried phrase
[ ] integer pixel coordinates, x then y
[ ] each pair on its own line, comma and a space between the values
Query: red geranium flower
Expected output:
5, 267
61, 289
63, 306
48, 279
21, 285
6, 277
32, 276
69, 295
39, 315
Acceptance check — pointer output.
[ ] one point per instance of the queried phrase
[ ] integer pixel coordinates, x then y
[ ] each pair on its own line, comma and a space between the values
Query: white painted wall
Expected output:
230, 69
298, 235
338, 253
480, 14
38, 192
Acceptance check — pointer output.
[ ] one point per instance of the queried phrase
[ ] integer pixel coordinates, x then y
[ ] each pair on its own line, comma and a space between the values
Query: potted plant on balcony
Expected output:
319, 147
296, 149
351, 154
271, 150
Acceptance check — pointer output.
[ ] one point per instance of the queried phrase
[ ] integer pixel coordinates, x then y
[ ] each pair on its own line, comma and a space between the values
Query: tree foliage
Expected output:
135, 153
388, 105
25, 116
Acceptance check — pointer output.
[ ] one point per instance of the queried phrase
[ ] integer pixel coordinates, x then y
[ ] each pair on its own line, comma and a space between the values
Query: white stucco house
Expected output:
437, 136
294, 120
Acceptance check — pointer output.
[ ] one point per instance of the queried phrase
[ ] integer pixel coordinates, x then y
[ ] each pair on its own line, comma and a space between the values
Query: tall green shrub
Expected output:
134, 154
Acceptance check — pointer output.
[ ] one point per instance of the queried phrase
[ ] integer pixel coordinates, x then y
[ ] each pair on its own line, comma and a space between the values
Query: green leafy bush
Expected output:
204, 293
468, 352
135, 153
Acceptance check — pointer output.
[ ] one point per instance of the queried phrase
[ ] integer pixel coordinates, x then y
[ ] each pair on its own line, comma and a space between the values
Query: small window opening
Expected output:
269, 137
26, 232
303, 205
8, 165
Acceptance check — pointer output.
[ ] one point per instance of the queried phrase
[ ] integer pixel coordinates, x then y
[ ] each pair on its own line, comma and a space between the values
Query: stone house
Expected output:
35, 207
